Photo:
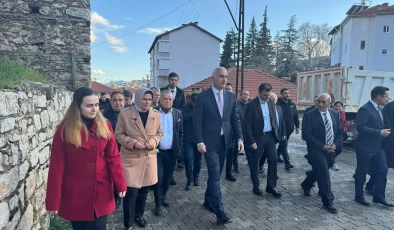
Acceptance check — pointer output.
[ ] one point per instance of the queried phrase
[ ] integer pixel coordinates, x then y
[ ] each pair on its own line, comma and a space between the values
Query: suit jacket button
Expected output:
93, 164
93, 134
94, 180
94, 149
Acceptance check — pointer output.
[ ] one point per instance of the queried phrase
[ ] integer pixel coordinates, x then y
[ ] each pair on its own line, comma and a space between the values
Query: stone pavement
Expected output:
292, 211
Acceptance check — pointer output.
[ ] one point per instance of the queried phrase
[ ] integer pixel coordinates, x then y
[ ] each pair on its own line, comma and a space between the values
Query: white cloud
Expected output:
95, 18
113, 40
98, 72
93, 36
119, 49
154, 30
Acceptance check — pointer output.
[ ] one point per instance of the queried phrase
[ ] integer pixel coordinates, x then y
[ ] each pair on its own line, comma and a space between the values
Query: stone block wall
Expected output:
52, 36
28, 118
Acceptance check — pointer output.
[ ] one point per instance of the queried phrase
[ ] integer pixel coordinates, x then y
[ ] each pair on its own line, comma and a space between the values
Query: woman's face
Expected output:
338, 107
146, 102
90, 106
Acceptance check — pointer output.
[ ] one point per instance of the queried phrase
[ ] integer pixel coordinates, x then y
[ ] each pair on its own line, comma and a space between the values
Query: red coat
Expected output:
81, 180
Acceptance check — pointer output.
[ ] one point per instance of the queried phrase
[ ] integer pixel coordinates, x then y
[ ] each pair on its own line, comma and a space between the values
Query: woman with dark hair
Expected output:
338, 106
139, 132
84, 166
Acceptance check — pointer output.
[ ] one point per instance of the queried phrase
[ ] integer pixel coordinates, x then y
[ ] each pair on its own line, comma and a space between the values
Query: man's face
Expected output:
156, 97
166, 101
220, 79
323, 103
315, 101
229, 88
245, 96
332, 97
117, 102
103, 97
382, 100
273, 97
127, 100
264, 95
285, 95
173, 82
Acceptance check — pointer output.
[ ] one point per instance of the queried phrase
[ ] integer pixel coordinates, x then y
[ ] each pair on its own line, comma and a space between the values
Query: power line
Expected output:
172, 11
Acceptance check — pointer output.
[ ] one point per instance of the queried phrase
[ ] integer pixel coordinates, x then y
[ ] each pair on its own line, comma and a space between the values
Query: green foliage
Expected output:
58, 223
12, 73
226, 59
250, 45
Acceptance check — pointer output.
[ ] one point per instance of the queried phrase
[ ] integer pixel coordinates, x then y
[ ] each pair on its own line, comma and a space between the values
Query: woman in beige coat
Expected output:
138, 131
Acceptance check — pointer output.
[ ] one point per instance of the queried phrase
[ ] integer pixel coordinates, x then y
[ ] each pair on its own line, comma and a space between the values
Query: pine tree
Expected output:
227, 53
264, 50
250, 45
287, 63
234, 38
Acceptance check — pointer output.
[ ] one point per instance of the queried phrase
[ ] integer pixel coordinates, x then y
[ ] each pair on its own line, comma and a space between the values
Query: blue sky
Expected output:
127, 58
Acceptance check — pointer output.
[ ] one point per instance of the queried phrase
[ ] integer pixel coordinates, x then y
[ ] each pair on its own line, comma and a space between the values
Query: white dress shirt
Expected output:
167, 125
174, 93
329, 121
266, 115
215, 93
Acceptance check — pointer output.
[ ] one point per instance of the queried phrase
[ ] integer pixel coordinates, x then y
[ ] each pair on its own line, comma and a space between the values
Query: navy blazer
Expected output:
207, 122
282, 125
310, 109
369, 125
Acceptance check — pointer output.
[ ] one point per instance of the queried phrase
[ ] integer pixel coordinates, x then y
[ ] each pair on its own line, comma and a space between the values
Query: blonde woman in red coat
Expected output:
84, 166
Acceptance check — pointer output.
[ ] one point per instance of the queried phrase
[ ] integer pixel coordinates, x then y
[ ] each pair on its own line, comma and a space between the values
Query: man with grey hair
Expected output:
156, 97
322, 131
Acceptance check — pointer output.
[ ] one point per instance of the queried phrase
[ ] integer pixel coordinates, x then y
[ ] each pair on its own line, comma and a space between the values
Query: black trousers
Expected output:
134, 204
232, 158
165, 166
321, 174
266, 147
96, 224
282, 149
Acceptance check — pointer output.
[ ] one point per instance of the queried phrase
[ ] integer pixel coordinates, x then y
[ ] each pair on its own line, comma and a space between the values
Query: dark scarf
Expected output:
88, 121
144, 117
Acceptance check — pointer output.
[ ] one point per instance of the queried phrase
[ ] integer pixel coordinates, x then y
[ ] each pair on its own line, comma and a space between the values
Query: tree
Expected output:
313, 44
264, 50
227, 53
234, 38
288, 57
250, 45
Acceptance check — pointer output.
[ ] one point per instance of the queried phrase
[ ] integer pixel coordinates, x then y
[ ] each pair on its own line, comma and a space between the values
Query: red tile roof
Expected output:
133, 90
252, 79
100, 88
383, 8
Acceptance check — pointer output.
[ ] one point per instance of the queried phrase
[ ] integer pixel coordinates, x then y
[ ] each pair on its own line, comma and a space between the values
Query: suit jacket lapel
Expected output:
213, 99
320, 119
375, 112
258, 107
137, 120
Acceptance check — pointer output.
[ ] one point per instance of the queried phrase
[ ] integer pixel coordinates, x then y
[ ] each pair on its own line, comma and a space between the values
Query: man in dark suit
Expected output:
313, 106
215, 120
281, 128
368, 144
261, 134
169, 147
230, 152
322, 132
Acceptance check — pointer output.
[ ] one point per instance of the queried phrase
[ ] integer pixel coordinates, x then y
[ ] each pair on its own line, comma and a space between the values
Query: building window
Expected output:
164, 64
361, 67
385, 51
386, 29
362, 45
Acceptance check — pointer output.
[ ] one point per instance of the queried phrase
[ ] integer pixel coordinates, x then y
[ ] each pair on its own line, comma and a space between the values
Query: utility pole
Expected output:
241, 42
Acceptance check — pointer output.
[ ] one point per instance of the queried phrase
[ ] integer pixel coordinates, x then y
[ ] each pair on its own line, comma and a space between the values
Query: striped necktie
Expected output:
329, 135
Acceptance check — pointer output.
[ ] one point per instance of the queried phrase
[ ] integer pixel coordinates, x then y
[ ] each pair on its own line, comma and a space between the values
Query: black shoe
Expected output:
165, 203
307, 192
223, 219
274, 192
280, 160
258, 191
236, 170
277, 177
196, 182
289, 166
141, 222
306, 156
261, 170
362, 201
158, 211
230, 177
188, 186
370, 191
382, 202
129, 228
208, 207
330, 208
319, 194
181, 166
241, 153
172, 182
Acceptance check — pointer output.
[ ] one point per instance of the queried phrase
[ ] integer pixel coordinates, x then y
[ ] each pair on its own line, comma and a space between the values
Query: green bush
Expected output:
12, 73
58, 223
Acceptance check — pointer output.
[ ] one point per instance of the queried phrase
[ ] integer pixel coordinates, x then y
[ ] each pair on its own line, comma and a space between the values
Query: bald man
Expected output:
322, 132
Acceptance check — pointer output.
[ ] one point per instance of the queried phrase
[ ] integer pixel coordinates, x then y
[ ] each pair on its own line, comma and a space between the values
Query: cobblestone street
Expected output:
292, 211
